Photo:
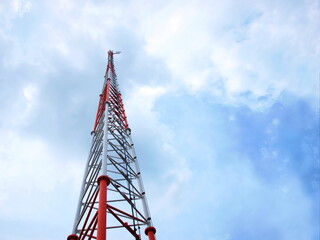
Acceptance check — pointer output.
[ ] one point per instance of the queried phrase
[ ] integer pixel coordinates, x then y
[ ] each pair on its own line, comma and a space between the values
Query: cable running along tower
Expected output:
112, 202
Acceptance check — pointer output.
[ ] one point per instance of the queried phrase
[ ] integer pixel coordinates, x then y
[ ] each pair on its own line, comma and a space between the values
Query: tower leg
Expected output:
73, 237
150, 231
103, 182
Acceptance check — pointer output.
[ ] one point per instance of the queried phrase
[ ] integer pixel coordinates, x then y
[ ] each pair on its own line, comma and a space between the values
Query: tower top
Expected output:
113, 52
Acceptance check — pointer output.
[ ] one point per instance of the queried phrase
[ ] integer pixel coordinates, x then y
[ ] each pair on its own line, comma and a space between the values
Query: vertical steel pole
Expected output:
105, 140
103, 179
103, 182
76, 219
141, 187
150, 232
73, 237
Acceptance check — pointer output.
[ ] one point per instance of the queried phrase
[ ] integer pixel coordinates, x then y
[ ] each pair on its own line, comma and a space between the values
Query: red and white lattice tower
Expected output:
112, 200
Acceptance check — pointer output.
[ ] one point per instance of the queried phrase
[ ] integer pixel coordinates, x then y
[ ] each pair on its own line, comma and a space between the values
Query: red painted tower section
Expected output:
112, 202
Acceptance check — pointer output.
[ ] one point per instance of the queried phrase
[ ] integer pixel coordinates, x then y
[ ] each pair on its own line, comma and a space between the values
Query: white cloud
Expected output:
13, 9
30, 92
249, 58
30, 170
258, 52
21, 7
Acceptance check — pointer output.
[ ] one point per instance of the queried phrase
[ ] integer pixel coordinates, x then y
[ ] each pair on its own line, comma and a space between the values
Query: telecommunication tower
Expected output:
112, 199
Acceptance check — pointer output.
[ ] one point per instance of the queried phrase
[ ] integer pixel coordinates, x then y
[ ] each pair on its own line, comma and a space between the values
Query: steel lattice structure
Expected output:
112, 195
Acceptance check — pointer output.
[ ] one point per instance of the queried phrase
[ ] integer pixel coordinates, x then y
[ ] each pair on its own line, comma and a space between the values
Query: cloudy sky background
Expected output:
222, 98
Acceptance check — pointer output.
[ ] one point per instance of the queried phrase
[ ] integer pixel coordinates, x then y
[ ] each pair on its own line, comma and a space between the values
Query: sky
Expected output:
222, 98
